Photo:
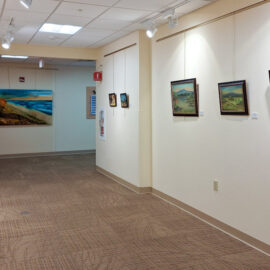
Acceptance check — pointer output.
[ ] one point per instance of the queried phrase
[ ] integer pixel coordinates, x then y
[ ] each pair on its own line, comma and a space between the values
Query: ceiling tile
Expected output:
80, 43
145, 5
4, 26
134, 27
25, 33
107, 3
124, 14
94, 32
108, 24
69, 20
87, 36
191, 6
27, 16
48, 39
41, 6
111, 38
80, 10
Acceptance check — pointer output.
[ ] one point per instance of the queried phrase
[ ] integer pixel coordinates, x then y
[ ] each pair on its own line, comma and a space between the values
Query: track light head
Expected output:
6, 41
26, 3
151, 31
5, 44
172, 21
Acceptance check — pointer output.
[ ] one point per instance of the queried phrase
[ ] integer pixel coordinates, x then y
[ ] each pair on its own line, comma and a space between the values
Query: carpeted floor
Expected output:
58, 213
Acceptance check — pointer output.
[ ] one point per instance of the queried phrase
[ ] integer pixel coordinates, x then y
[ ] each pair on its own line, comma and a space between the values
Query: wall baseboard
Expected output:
48, 154
249, 240
140, 190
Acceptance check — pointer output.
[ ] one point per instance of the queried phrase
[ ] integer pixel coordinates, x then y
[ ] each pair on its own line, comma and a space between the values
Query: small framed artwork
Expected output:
185, 98
233, 98
113, 100
124, 100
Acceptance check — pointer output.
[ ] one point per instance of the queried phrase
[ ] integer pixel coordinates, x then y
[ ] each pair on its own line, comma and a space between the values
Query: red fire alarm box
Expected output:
21, 79
97, 76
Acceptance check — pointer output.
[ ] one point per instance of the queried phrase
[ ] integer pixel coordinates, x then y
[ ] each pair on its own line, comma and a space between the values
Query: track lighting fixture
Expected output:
168, 14
26, 3
172, 21
9, 36
7, 40
151, 31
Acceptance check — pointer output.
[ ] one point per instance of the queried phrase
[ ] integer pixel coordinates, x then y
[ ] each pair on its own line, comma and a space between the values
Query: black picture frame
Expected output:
113, 100
124, 100
188, 100
233, 98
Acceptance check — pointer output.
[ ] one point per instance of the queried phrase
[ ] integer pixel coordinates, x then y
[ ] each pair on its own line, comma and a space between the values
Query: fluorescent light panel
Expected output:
14, 56
26, 3
60, 29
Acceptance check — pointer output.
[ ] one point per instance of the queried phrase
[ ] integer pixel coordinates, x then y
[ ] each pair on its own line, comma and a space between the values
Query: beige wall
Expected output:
188, 154
119, 153
126, 152
51, 51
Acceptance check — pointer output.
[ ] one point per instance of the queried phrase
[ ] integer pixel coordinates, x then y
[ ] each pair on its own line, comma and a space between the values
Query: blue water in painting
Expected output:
13, 96
11, 93
44, 106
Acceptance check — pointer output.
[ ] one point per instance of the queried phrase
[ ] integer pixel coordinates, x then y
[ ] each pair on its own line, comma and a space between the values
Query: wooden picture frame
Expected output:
113, 100
124, 100
233, 98
184, 95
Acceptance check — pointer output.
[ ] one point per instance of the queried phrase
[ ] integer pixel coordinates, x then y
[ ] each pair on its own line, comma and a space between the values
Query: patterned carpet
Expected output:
58, 213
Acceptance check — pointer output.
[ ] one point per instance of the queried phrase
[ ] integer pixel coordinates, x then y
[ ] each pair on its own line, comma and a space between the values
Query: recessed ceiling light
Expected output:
14, 56
60, 29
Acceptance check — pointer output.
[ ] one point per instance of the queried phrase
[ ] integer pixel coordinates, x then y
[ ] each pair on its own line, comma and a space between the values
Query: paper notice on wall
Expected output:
102, 124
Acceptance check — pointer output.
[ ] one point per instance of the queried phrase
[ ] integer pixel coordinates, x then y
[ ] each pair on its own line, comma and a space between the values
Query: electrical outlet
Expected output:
216, 185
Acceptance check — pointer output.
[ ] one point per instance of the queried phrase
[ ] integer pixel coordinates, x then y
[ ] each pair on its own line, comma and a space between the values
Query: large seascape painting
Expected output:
25, 107
184, 98
233, 98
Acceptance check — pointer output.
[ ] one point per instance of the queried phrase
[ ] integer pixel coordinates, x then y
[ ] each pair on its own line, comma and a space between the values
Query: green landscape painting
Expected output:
184, 98
25, 107
233, 98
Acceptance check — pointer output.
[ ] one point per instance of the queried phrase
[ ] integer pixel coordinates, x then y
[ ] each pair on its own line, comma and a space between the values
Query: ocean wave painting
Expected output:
26, 107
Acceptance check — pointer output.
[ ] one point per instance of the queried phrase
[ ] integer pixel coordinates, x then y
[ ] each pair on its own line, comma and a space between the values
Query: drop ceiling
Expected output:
102, 21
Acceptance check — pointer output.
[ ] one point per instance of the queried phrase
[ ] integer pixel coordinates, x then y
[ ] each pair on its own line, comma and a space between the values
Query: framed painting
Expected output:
113, 100
124, 100
233, 98
185, 98
25, 107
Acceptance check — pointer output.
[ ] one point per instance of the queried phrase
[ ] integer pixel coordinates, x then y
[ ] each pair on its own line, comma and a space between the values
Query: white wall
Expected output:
73, 131
70, 130
119, 153
189, 153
